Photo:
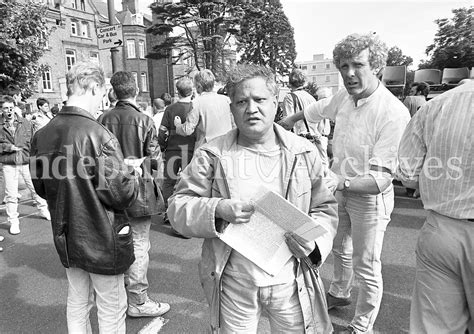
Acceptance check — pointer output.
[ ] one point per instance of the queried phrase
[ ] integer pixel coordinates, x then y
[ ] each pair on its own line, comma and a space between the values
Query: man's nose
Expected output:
251, 107
350, 71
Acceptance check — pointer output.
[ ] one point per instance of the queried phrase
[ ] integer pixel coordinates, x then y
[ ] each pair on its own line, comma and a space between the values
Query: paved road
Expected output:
33, 283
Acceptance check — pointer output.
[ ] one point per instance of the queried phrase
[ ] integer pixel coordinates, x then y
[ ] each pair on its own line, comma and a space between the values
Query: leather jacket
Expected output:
77, 166
20, 138
138, 138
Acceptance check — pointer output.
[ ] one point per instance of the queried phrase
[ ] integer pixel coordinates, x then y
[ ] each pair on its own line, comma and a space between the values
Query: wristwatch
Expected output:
347, 184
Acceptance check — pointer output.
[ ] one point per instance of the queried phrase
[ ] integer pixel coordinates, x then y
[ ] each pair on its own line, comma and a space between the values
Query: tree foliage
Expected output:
453, 43
24, 33
266, 37
197, 29
397, 58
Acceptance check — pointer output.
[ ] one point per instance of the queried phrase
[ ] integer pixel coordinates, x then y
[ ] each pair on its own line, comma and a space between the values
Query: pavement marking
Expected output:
153, 326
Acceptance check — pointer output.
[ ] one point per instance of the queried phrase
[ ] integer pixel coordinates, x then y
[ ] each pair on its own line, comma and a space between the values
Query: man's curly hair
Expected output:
354, 44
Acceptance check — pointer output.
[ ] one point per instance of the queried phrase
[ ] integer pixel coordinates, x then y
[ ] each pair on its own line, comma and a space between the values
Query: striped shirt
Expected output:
437, 152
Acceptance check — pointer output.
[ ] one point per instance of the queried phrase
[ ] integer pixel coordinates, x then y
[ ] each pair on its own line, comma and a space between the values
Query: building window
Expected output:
94, 57
328, 66
135, 77
131, 48
137, 19
74, 28
328, 78
74, 4
304, 67
70, 58
141, 49
314, 67
85, 29
83, 5
46, 80
144, 82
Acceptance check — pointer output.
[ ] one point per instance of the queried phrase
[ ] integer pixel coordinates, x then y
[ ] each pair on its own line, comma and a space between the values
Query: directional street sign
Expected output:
109, 36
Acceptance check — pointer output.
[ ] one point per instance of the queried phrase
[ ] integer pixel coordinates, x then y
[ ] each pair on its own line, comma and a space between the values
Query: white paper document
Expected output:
262, 240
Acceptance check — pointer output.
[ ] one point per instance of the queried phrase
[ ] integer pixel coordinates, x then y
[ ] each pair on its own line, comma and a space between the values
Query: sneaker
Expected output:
2, 238
45, 214
336, 302
15, 227
148, 309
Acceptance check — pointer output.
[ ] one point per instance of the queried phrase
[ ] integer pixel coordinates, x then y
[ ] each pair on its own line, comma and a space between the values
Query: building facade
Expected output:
74, 39
322, 71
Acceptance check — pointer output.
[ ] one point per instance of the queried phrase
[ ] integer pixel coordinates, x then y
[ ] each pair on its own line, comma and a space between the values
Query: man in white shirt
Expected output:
210, 116
370, 121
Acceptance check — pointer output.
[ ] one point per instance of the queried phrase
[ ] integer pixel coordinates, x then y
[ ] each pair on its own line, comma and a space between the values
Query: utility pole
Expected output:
113, 51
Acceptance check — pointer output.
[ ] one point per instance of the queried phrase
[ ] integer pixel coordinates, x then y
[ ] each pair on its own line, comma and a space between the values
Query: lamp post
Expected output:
113, 51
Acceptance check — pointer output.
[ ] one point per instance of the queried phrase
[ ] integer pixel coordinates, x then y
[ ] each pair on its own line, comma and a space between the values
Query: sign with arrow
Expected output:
109, 36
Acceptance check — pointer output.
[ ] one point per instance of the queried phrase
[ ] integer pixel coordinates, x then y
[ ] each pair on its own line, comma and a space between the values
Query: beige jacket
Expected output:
203, 184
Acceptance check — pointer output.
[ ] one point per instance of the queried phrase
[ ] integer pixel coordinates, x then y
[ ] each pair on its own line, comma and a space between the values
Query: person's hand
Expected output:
340, 182
298, 246
15, 148
234, 211
287, 123
177, 121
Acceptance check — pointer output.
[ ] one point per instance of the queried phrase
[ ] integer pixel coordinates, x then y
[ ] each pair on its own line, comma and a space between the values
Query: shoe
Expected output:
2, 238
45, 214
179, 234
15, 227
348, 330
336, 302
148, 309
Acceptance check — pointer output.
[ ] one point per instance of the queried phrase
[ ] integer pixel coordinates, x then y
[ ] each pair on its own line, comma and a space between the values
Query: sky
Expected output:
319, 24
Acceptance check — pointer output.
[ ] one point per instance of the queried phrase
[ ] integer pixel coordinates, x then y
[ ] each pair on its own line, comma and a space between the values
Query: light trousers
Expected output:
443, 295
242, 303
11, 174
136, 281
357, 249
110, 297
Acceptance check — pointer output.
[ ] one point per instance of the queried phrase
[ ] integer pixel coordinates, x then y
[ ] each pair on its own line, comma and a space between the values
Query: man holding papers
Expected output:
213, 199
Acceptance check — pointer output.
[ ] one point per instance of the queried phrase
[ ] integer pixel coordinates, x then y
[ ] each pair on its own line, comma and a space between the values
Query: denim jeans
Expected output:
242, 303
11, 174
136, 280
110, 297
174, 161
443, 295
357, 248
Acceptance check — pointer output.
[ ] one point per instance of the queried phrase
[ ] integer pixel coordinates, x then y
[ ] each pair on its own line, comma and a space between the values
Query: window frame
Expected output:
141, 49
144, 81
46, 78
70, 56
131, 51
74, 28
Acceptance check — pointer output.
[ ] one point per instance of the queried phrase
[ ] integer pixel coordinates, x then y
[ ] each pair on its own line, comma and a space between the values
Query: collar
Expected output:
369, 98
186, 99
71, 110
129, 104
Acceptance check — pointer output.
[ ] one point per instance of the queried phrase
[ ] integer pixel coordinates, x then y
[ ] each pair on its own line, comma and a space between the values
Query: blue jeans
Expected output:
136, 280
357, 248
110, 297
242, 303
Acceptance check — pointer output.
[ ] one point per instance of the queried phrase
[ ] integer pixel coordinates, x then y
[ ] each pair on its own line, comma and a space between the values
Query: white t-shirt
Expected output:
250, 168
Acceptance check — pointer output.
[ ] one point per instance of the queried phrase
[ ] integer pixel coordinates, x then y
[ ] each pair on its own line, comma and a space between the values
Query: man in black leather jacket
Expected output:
137, 136
77, 166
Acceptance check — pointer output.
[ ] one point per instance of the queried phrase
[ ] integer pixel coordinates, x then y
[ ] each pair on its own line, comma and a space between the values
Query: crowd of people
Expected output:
334, 157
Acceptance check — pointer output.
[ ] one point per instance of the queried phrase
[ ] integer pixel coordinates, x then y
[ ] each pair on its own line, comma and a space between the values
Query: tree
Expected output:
24, 33
201, 30
397, 58
453, 44
266, 37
